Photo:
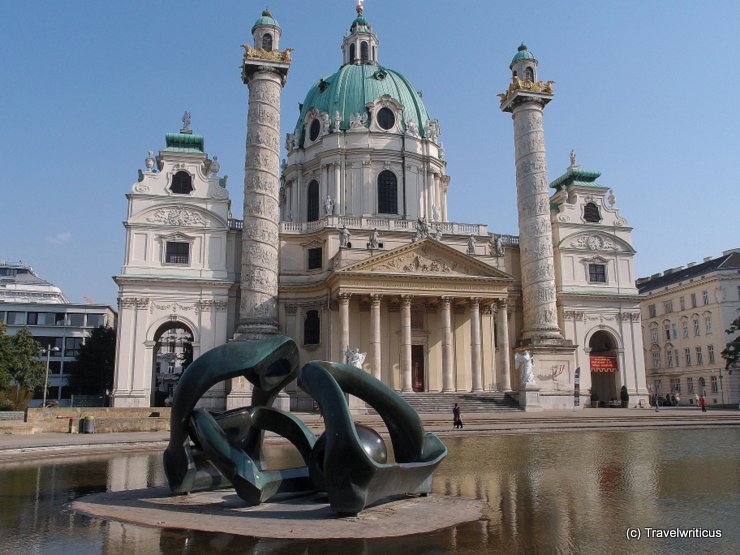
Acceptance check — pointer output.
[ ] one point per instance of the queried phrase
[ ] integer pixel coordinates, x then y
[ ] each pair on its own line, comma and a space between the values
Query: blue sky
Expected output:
645, 93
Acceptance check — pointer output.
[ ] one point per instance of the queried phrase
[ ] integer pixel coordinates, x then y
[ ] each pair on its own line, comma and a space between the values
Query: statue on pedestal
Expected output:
525, 364
355, 357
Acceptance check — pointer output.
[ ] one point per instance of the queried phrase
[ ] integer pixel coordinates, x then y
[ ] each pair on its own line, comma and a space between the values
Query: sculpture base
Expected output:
296, 518
529, 398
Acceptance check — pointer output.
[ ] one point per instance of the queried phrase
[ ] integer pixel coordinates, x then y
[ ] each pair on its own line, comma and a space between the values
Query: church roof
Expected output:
185, 142
574, 175
265, 19
730, 260
353, 86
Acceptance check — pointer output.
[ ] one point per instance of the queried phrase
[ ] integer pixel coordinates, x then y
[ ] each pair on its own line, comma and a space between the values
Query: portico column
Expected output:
406, 343
447, 376
343, 324
503, 344
375, 335
475, 344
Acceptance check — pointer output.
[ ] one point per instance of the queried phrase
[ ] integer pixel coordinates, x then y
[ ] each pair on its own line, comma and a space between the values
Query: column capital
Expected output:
446, 300
406, 300
344, 297
375, 298
474, 301
502, 304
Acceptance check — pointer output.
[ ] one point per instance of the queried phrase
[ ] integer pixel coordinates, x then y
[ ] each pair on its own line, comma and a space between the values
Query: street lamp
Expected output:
47, 352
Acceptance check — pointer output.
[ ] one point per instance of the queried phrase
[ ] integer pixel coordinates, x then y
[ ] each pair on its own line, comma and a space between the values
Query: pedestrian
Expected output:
457, 417
673, 400
703, 403
657, 402
677, 400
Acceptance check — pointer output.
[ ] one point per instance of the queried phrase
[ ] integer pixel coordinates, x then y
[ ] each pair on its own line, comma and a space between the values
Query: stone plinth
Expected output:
529, 398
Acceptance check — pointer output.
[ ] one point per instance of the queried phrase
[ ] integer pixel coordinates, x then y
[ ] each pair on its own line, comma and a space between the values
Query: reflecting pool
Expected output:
574, 492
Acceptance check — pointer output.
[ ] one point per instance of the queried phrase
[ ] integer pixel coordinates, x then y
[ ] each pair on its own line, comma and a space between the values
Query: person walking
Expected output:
457, 417
657, 402
703, 403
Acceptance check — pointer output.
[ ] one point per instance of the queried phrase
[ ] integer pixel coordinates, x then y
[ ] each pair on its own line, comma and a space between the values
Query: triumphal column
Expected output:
264, 71
526, 98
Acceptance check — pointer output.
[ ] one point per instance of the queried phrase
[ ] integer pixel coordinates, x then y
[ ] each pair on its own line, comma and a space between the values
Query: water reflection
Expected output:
554, 493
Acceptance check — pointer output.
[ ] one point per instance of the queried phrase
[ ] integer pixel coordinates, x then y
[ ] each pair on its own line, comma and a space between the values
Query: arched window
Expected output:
363, 51
515, 74
386, 118
312, 203
312, 328
591, 213
387, 193
267, 42
352, 53
528, 74
182, 183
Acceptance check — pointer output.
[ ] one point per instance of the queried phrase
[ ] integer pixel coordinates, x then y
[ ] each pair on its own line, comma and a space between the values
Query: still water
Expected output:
575, 492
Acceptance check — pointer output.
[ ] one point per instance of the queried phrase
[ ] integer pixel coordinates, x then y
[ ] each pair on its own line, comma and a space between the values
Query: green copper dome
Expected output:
522, 54
353, 86
265, 19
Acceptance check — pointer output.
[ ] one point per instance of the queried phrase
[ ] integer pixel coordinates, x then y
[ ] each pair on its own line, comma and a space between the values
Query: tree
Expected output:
731, 353
93, 370
5, 358
25, 369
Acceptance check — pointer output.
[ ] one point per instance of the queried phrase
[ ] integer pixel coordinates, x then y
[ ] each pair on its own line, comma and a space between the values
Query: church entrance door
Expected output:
417, 368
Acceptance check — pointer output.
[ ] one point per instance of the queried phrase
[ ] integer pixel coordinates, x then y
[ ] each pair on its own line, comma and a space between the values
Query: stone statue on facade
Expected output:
374, 239
471, 245
525, 364
149, 161
289, 141
324, 117
431, 130
422, 229
435, 213
355, 357
344, 236
357, 120
572, 158
329, 205
215, 166
612, 199
186, 123
337, 121
497, 246
411, 128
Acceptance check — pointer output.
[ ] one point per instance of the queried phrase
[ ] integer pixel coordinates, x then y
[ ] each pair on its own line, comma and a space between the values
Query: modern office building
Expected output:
56, 324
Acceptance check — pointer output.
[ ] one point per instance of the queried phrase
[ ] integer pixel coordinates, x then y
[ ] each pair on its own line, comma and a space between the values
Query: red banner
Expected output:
603, 364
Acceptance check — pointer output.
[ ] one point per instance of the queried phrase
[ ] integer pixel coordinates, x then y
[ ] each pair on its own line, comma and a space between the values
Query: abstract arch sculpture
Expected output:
210, 451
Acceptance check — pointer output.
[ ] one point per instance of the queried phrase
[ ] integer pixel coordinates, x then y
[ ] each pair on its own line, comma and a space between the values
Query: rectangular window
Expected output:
677, 358
315, 258
667, 330
45, 341
699, 357
687, 355
657, 385
705, 297
597, 273
693, 300
46, 319
651, 311
177, 253
59, 319
55, 366
685, 329
668, 306
675, 385
710, 350
682, 301
690, 385
674, 331
708, 324
32, 318
696, 328
95, 320
656, 359
2, 316
654, 335
75, 319
72, 347
669, 359
16, 318
715, 389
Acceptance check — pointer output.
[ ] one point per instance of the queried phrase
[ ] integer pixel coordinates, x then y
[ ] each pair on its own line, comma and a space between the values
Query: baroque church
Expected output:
346, 247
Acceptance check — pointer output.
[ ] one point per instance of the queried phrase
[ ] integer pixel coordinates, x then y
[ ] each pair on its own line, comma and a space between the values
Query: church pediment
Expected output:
425, 258
178, 215
593, 241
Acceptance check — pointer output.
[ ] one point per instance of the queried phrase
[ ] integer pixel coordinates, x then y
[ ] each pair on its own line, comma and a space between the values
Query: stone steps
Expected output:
442, 403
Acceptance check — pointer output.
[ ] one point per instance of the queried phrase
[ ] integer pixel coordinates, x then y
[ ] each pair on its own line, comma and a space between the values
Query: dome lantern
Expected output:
524, 64
360, 44
266, 32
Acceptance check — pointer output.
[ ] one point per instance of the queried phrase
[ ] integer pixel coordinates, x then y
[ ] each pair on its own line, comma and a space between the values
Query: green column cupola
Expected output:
266, 32
524, 64
360, 44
